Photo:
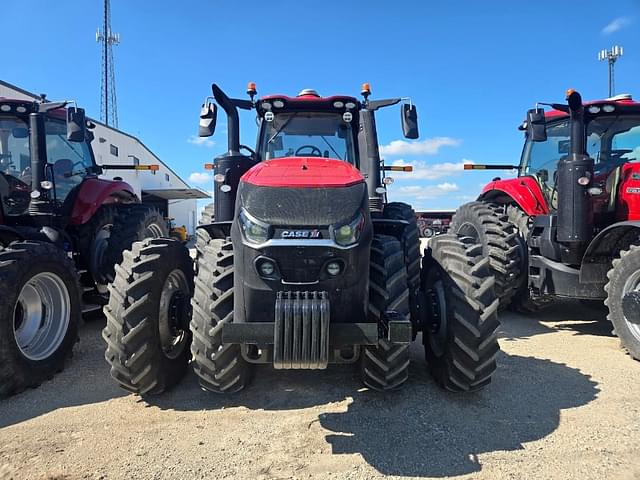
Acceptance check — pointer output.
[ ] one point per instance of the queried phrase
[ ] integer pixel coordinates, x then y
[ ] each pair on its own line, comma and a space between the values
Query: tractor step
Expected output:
90, 307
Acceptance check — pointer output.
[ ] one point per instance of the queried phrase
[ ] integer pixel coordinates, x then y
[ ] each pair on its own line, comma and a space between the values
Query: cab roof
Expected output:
623, 103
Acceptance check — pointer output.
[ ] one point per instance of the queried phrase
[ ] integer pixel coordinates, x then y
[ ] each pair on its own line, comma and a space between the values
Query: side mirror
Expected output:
76, 124
409, 116
208, 116
536, 125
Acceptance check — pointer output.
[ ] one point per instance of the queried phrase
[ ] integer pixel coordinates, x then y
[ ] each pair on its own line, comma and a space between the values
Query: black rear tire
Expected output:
386, 366
206, 218
488, 225
624, 277
133, 223
411, 246
147, 331
521, 301
93, 239
220, 367
461, 345
28, 268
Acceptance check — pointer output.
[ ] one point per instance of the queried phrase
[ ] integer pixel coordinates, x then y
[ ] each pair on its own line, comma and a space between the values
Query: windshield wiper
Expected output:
331, 147
282, 127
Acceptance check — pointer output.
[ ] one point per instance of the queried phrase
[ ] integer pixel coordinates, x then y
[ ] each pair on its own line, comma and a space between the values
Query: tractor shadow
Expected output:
84, 381
562, 315
420, 430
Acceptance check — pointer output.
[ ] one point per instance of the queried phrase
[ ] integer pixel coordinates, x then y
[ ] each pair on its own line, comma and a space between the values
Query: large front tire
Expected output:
488, 225
39, 314
461, 338
147, 331
220, 367
624, 279
386, 366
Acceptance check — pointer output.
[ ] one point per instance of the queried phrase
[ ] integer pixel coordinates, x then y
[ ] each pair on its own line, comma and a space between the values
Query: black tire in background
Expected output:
411, 247
206, 218
521, 301
386, 366
624, 278
39, 314
461, 344
147, 331
220, 367
133, 223
489, 226
93, 242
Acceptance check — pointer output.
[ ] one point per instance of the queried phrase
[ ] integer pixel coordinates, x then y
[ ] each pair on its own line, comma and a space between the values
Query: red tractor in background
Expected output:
569, 225
306, 264
62, 230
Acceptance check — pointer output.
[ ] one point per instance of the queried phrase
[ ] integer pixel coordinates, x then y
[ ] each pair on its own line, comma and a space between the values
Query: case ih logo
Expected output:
633, 190
301, 234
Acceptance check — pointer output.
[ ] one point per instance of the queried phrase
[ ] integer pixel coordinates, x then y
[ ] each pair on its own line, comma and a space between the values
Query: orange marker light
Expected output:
468, 166
251, 88
154, 168
208, 166
366, 89
570, 91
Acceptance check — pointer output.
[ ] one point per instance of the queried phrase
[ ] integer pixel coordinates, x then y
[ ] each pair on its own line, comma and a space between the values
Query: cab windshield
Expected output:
611, 141
308, 134
15, 165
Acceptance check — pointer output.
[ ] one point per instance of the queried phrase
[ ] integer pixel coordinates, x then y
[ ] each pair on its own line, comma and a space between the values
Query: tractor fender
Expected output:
388, 226
605, 246
95, 192
524, 191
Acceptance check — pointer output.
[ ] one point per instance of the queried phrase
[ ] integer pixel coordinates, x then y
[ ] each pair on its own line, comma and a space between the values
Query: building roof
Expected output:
97, 122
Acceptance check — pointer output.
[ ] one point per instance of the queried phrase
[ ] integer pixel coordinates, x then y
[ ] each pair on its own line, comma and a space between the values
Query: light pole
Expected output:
610, 56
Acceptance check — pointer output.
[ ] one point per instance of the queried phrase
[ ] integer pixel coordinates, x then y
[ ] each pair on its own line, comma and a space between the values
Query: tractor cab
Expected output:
612, 140
44, 156
308, 126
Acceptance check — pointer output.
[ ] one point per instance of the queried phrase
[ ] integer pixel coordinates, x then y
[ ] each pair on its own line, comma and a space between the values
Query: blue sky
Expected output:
472, 68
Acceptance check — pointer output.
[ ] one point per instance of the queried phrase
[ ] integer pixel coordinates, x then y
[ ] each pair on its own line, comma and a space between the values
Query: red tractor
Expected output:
306, 264
569, 225
62, 230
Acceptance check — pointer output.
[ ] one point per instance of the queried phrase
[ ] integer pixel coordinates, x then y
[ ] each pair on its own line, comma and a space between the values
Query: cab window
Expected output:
308, 134
69, 162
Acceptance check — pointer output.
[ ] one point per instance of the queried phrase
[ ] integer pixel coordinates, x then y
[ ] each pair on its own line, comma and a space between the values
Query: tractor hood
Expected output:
303, 172
302, 192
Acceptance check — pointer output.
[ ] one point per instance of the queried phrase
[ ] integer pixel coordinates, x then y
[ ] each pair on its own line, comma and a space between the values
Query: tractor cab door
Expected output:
69, 163
613, 142
540, 159
15, 166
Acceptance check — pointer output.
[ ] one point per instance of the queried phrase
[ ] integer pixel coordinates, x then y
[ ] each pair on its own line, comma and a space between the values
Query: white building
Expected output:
162, 188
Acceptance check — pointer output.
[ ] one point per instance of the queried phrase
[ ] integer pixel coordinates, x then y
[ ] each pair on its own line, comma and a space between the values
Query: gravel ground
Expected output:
563, 405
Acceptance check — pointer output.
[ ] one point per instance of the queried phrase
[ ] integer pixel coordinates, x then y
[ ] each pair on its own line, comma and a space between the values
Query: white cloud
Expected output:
424, 171
616, 25
201, 141
200, 178
430, 146
425, 192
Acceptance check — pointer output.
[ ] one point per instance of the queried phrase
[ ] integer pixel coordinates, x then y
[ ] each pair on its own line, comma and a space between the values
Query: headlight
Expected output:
349, 233
254, 231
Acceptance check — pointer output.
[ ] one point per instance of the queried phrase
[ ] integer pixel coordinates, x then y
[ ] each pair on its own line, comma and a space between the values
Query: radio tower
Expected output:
108, 105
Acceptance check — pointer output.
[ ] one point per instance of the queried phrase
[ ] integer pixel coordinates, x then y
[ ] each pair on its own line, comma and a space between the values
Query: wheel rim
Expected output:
41, 316
632, 285
174, 314
437, 327
154, 231
468, 229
